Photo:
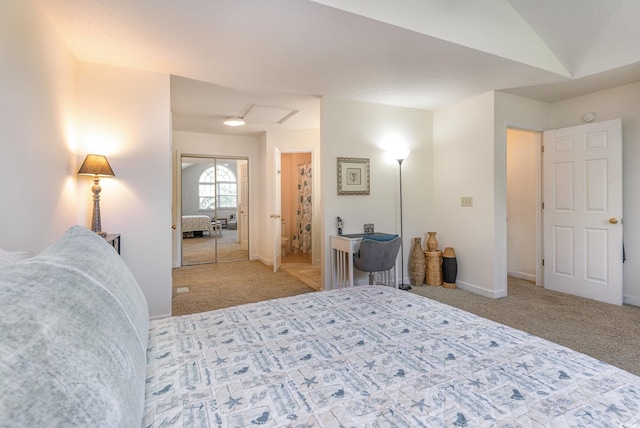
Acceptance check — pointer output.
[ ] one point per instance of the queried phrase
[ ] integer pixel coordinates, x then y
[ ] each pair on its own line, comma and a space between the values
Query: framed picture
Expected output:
353, 176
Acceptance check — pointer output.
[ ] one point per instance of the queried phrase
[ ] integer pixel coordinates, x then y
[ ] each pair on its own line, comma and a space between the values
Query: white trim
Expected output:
492, 294
159, 317
522, 275
631, 300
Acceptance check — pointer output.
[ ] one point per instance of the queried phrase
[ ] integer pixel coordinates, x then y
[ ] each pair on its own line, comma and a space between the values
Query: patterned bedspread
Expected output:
196, 223
372, 356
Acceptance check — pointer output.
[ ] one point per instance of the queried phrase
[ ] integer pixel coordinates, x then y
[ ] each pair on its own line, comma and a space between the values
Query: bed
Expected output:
197, 223
77, 349
372, 356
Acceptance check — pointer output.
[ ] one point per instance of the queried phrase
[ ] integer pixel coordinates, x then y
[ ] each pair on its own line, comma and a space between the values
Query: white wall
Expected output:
523, 179
517, 112
620, 102
38, 163
125, 115
289, 141
192, 143
463, 150
364, 130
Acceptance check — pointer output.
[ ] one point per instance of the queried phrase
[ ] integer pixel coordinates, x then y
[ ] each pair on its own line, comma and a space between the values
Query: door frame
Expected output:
539, 233
317, 234
503, 273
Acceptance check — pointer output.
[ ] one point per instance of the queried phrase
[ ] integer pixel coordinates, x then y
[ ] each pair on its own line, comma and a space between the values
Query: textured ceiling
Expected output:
228, 55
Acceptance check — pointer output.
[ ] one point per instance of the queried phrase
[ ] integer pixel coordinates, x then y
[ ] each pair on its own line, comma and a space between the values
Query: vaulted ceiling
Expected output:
226, 57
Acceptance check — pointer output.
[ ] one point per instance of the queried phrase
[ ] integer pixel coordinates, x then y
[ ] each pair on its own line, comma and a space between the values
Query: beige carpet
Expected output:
222, 285
606, 332
202, 249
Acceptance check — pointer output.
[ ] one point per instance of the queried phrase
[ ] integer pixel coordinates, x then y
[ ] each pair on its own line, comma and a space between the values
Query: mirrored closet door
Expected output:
214, 211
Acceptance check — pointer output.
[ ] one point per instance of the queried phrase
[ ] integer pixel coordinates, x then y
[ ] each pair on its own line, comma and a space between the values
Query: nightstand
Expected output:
114, 240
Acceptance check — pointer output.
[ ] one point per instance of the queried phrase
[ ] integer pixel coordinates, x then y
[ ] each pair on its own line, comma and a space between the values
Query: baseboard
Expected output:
492, 294
522, 275
631, 300
159, 317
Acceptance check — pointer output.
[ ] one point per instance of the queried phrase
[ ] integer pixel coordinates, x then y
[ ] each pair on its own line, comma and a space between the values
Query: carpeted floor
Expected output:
221, 285
202, 249
606, 332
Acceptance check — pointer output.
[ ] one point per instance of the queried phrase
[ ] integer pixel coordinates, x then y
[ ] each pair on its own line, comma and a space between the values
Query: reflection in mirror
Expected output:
210, 202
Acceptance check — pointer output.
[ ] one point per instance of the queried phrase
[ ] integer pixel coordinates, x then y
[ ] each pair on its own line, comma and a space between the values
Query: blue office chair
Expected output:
376, 255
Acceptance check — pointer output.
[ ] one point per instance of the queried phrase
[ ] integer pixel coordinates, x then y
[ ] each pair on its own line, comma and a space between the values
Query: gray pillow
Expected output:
71, 352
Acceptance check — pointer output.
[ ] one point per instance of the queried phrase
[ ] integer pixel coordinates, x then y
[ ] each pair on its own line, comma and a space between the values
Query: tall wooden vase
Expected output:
432, 242
417, 263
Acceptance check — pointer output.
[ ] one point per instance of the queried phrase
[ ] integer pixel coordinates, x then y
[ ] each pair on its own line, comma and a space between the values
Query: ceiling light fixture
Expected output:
234, 121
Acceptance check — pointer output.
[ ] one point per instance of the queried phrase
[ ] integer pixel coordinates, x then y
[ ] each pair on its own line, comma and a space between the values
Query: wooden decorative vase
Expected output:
434, 267
432, 242
417, 263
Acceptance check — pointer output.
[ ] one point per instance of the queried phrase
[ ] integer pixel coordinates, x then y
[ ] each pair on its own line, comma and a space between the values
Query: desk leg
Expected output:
333, 268
341, 269
350, 269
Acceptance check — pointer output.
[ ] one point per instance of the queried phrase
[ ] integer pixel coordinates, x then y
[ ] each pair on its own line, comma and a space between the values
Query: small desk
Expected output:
343, 247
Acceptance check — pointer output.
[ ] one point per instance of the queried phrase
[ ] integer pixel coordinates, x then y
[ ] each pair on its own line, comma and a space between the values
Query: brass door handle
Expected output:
173, 226
613, 220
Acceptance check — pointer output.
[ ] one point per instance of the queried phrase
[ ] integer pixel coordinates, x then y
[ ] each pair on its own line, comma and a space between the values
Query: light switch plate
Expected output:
466, 201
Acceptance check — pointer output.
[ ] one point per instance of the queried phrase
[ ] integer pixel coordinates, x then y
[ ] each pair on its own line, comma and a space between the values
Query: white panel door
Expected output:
583, 251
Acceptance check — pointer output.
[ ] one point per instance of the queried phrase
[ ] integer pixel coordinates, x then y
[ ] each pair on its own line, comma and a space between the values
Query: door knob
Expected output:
613, 220
173, 226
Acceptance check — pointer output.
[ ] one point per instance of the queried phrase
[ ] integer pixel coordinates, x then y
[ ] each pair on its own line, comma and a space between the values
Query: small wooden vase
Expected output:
432, 242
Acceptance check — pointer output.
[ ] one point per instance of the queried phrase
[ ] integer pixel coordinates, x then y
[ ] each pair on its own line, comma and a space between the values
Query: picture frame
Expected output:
353, 176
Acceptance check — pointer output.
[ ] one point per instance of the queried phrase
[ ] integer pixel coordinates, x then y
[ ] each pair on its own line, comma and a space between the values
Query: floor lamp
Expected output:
401, 156
96, 166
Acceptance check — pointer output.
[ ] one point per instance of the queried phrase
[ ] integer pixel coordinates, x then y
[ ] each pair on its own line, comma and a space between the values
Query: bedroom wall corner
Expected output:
363, 130
37, 129
463, 150
125, 115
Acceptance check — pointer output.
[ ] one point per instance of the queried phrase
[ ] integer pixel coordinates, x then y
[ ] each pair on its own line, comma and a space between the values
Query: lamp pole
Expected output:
402, 285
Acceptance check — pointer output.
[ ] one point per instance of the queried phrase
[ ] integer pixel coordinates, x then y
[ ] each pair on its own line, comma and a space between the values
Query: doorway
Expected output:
524, 204
296, 207
214, 219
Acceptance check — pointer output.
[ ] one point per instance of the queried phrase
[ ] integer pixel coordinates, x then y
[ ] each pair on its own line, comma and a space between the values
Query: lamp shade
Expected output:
96, 165
401, 154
